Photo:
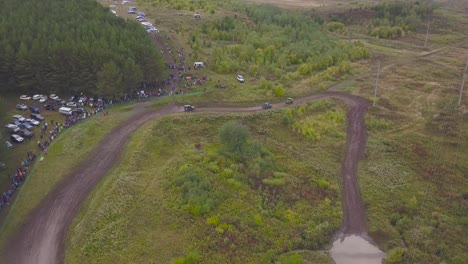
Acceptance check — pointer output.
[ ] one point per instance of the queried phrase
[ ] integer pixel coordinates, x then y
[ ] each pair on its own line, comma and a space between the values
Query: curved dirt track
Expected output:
41, 240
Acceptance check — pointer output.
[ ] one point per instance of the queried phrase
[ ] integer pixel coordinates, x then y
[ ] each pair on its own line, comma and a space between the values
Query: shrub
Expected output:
198, 198
274, 182
291, 259
279, 91
395, 256
335, 26
233, 137
191, 258
323, 184
375, 124
214, 220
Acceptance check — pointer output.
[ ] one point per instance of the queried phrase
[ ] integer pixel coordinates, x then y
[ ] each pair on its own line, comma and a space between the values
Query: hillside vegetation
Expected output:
71, 47
232, 190
389, 18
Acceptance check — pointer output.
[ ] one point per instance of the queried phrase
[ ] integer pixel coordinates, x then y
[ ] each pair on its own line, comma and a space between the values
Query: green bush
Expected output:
335, 26
375, 124
191, 258
196, 192
291, 259
279, 91
233, 137
395, 256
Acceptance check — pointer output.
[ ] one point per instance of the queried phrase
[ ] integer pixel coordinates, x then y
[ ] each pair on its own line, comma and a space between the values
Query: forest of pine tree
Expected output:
73, 46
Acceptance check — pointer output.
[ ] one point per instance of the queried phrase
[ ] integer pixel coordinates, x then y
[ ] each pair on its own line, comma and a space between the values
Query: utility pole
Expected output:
427, 33
463, 82
376, 83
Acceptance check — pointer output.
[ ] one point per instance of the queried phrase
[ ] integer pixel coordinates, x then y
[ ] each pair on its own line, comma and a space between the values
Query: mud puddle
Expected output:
355, 250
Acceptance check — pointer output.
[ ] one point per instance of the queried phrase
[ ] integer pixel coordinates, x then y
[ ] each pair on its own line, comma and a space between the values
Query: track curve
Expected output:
41, 239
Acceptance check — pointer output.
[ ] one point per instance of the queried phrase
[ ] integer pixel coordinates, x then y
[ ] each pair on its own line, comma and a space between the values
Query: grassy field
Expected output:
178, 196
68, 150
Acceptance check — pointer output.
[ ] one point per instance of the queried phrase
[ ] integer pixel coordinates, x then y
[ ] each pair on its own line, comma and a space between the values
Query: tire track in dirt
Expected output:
42, 238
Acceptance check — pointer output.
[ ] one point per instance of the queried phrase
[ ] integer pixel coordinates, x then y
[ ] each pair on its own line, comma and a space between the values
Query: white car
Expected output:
52, 96
240, 78
19, 118
72, 104
43, 99
25, 97
152, 29
146, 24
17, 138
36, 97
21, 107
126, 2
32, 121
11, 126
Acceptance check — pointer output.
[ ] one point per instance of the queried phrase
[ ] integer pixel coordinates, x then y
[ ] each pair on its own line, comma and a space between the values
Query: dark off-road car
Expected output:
267, 106
189, 108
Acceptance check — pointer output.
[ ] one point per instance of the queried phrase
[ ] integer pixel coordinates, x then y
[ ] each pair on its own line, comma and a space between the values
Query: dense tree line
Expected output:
73, 46
395, 17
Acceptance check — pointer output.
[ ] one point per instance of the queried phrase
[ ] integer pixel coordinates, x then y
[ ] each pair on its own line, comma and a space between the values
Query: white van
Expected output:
65, 111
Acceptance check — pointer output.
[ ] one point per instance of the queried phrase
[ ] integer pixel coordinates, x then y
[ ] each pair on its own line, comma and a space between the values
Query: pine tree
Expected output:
109, 80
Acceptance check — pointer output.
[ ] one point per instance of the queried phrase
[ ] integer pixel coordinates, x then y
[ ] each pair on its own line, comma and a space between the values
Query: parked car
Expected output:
25, 133
25, 97
71, 104
240, 78
78, 111
8, 145
21, 107
19, 118
35, 109
17, 138
57, 99
141, 14
65, 111
43, 99
125, 2
38, 117
49, 107
33, 122
26, 126
2, 165
36, 97
267, 106
52, 96
289, 100
12, 128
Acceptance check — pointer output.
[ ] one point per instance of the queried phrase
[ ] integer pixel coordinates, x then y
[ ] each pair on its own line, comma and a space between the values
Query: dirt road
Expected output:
41, 239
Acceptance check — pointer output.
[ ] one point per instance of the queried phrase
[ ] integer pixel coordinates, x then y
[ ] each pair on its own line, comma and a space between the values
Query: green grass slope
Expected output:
178, 196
